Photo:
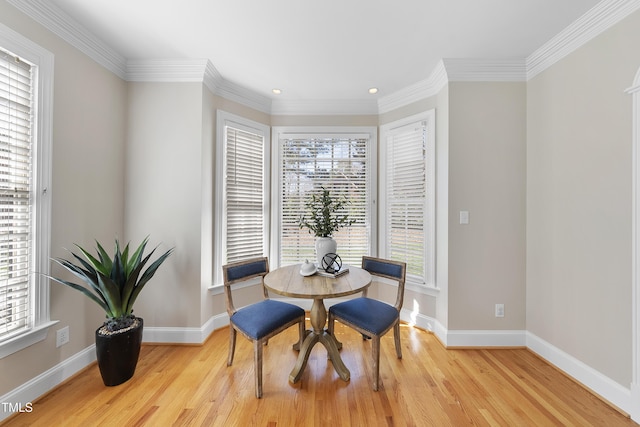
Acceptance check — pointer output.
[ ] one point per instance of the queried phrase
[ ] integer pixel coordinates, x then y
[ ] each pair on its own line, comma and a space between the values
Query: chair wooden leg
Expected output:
375, 341
257, 361
396, 336
330, 330
301, 333
232, 344
330, 324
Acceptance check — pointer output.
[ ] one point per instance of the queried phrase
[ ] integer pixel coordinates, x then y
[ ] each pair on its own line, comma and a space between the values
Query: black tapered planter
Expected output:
118, 354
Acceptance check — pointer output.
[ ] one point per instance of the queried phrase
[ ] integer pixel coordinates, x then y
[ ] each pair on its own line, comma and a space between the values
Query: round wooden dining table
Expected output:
288, 281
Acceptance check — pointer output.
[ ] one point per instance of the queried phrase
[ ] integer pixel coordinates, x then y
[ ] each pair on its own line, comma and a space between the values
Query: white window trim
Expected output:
428, 117
222, 119
276, 177
43, 59
634, 91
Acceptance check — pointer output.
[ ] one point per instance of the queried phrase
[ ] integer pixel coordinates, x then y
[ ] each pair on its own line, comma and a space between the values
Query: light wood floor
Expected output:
430, 386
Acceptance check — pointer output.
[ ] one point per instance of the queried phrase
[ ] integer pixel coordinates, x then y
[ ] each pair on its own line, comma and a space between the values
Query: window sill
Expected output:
22, 341
423, 289
216, 289
219, 289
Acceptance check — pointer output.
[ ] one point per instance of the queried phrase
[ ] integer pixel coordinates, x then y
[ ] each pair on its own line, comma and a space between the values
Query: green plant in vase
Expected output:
114, 283
325, 215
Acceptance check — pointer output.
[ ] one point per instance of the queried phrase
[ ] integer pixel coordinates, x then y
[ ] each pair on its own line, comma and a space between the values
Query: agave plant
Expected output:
113, 283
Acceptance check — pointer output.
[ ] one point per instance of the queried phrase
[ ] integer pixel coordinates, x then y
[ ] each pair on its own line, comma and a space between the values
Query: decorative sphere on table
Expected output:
331, 263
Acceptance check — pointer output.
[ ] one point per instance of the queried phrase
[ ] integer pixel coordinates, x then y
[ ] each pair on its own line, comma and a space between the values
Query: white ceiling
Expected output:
324, 50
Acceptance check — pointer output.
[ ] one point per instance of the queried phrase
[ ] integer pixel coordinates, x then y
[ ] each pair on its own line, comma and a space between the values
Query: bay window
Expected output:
242, 214
407, 209
266, 181
341, 160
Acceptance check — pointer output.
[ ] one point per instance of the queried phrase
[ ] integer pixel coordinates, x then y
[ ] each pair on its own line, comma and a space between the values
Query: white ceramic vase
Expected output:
325, 245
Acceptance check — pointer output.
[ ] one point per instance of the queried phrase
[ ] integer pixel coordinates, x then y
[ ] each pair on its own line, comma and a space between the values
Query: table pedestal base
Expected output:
319, 334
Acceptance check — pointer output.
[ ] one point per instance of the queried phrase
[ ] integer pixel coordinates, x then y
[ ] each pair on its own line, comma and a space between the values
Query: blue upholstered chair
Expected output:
370, 317
262, 320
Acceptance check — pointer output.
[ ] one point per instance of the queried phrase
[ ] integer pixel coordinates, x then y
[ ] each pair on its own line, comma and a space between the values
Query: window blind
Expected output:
406, 192
15, 194
340, 164
244, 194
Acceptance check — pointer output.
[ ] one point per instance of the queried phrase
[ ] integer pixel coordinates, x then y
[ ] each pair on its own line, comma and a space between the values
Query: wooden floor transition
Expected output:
430, 386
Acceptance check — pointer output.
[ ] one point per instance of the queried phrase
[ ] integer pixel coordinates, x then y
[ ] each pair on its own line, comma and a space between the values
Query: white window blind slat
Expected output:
340, 164
15, 194
407, 198
244, 194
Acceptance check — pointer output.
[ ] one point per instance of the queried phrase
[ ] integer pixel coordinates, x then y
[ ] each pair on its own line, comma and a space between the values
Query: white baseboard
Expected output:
486, 338
625, 399
36, 387
600, 384
635, 403
423, 322
492, 338
163, 335
608, 389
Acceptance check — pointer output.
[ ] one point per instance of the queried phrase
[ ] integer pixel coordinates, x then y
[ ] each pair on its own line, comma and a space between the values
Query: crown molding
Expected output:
329, 107
212, 78
485, 70
456, 70
55, 20
240, 94
416, 92
194, 70
166, 70
598, 19
594, 22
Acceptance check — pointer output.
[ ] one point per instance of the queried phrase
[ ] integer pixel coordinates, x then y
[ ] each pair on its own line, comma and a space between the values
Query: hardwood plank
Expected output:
429, 386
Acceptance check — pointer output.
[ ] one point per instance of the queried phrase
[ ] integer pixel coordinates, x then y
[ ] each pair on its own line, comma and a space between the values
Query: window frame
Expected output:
42, 61
223, 119
428, 117
276, 177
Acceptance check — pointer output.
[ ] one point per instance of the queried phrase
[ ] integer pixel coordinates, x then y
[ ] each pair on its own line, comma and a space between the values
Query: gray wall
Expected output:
579, 201
487, 145
87, 187
544, 168
163, 195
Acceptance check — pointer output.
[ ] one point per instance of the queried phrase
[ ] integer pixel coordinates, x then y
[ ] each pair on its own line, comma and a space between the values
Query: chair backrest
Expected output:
242, 271
389, 269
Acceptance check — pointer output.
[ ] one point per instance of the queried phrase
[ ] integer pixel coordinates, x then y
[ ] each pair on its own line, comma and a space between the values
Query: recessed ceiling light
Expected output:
373, 90
276, 91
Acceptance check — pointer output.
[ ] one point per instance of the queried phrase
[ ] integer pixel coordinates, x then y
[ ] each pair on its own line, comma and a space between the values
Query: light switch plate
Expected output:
464, 217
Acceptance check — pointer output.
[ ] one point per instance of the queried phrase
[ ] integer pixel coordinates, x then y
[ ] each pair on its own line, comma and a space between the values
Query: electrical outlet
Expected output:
62, 336
499, 310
